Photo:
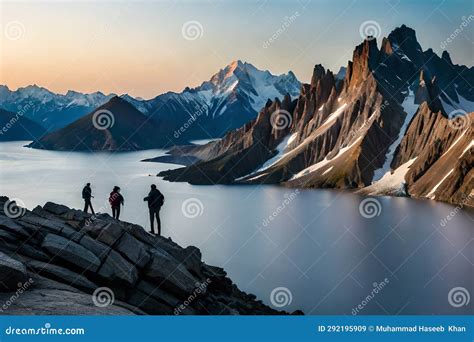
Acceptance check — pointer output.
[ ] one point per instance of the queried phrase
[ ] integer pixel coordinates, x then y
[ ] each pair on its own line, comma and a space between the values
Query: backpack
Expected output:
86, 194
115, 199
160, 200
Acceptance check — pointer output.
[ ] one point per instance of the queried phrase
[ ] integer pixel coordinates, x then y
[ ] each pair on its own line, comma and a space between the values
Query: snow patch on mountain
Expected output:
391, 182
455, 108
280, 149
431, 194
325, 161
410, 108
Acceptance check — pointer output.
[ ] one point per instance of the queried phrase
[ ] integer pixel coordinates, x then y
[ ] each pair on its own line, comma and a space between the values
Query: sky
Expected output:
147, 47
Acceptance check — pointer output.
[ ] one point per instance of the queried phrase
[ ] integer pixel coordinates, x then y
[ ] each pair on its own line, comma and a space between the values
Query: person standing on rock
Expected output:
155, 201
87, 195
116, 200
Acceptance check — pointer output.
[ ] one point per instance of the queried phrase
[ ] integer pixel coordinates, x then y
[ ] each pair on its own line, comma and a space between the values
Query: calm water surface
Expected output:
313, 243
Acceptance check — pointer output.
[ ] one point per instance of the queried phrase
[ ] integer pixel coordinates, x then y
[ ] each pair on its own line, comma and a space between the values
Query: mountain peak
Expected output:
445, 56
402, 32
117, 100
404, 43
318, 73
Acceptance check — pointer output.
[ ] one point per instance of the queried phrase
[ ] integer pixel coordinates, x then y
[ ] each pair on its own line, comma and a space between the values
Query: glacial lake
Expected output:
312, 247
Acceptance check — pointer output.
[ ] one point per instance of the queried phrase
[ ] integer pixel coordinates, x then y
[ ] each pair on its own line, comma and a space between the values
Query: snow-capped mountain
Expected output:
386, 127
50, 110
231, 98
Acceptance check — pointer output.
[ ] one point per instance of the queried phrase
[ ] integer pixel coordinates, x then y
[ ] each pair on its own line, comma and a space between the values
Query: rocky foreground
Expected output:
62, 261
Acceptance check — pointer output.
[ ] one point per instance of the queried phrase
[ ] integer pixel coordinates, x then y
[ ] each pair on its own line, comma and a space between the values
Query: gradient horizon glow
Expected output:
137, 47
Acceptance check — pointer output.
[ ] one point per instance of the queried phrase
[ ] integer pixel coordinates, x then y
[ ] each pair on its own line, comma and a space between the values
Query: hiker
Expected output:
155, 201
115, 200
87, 195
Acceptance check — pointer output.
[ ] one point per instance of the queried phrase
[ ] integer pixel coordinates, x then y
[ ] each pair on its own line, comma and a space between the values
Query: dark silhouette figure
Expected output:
115, 200
155, 201
87, 195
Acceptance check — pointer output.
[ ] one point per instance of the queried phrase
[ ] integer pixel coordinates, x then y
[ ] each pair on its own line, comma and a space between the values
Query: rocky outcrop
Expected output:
349, 133
12, 272
56, 260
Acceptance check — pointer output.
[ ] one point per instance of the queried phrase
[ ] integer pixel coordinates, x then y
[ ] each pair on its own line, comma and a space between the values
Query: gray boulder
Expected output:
110, 233
134, 250
57, 209
7, 236
63, 275
33, 252
98, 248
157, 293
115, 267
54, 226
12, 273
173, 276
12, 227
71, 252
149, 304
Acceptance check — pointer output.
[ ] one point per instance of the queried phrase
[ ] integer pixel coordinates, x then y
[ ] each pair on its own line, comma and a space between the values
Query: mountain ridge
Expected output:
345, 135
229, 99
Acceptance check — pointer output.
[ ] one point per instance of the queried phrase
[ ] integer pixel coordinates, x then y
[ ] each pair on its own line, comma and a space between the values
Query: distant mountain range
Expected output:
232, 97
51, 111
398, 123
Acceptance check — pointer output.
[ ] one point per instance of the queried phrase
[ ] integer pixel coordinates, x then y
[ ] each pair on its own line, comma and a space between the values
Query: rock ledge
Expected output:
61, 261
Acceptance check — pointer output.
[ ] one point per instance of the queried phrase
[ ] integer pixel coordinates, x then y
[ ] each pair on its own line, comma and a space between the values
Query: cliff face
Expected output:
61, 261
442, 150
